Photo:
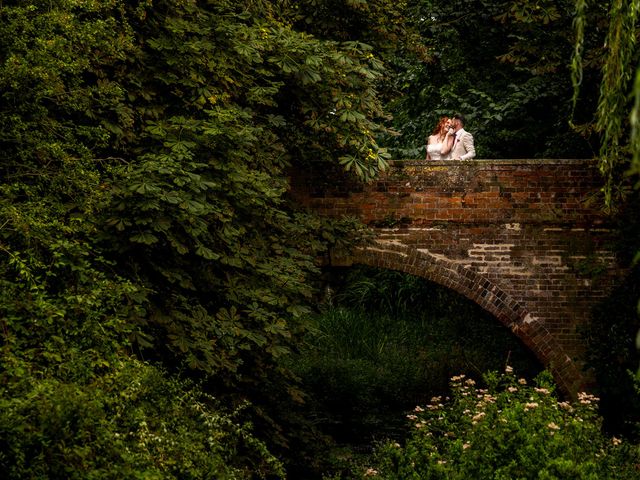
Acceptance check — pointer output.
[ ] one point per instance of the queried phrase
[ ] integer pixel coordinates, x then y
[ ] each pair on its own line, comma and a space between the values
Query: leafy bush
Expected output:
508, 430
132, 422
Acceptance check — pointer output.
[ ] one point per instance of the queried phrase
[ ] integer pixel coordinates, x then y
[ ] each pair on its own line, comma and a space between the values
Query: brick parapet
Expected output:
420, 192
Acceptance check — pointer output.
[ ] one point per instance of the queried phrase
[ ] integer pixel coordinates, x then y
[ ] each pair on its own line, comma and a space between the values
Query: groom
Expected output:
463, 148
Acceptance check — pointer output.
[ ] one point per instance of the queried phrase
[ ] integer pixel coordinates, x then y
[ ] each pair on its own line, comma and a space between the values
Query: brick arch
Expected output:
484, 292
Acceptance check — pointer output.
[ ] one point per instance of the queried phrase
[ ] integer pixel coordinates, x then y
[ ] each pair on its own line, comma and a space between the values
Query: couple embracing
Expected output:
450, 141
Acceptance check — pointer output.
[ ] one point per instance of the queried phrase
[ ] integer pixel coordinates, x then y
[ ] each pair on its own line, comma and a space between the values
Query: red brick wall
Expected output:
525, 239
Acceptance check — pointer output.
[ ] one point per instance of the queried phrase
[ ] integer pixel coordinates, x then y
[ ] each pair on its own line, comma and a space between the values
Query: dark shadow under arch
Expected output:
486, 294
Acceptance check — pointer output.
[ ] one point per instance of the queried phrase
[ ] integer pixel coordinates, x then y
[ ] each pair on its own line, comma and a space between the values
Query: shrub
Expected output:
133, 422
507, 431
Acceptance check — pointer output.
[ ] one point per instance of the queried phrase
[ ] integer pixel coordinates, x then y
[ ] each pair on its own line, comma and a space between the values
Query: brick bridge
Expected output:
524, 239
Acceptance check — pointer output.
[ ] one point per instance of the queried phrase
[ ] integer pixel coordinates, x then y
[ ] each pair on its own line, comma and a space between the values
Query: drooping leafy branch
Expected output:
613, 121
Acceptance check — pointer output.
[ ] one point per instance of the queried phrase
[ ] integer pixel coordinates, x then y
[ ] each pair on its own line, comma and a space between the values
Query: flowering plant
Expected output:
509, 430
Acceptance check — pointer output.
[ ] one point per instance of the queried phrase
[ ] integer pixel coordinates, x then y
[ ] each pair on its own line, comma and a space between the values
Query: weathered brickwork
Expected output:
522, 238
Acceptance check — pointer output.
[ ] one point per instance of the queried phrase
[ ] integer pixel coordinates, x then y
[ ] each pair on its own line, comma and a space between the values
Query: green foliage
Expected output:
164, 153
435, 318
613, 107
389, 341
143, 195
614, 358
507, 430
612, 352
128, 422
61, 301
503, 65
386, 291
201, 215
144, 208
615, 116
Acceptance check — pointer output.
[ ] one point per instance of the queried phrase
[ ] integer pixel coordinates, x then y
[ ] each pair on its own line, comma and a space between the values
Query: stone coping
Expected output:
490, 161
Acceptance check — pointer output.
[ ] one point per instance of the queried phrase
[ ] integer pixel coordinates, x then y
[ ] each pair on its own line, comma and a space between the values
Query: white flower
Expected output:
478, 416
587, 399
565, 406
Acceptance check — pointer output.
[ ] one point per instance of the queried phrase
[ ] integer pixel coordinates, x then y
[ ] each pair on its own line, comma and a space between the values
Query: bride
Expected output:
440, 141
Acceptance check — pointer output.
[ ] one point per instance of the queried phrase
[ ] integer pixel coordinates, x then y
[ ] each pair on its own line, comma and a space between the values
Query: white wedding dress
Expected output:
434, 150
